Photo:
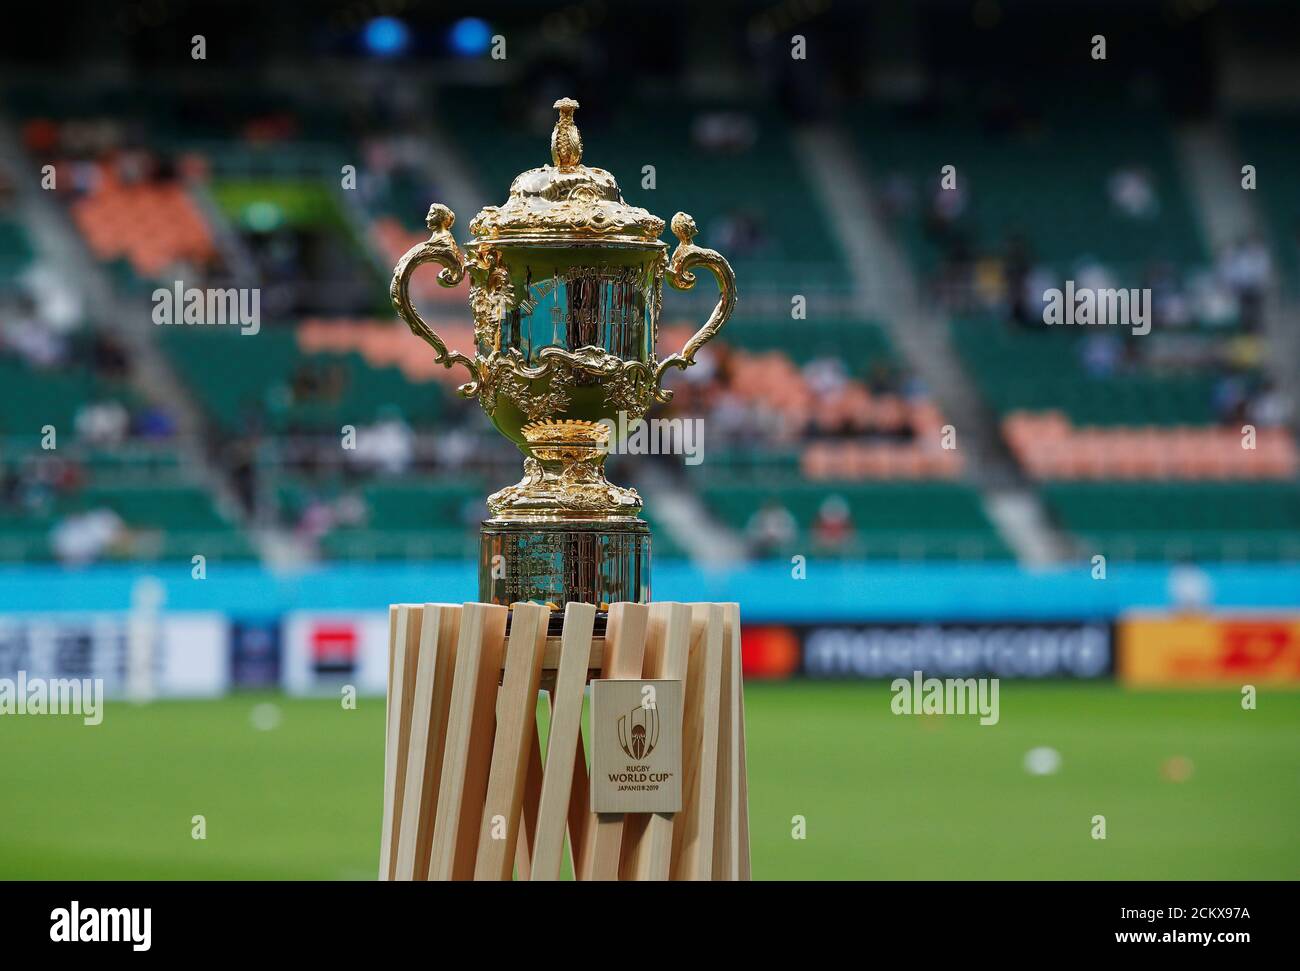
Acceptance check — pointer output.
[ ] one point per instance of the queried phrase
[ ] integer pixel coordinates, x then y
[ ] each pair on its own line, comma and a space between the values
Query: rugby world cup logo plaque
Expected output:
638, 732
636, 742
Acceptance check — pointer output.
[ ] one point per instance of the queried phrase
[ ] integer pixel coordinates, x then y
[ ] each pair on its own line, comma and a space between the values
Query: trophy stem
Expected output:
588, 561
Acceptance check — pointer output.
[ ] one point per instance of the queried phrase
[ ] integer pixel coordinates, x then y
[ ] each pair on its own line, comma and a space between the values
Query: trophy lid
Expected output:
566, 202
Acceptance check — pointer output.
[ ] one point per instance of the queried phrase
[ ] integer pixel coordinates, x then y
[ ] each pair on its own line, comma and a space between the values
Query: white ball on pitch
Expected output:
1042, 761
265, 716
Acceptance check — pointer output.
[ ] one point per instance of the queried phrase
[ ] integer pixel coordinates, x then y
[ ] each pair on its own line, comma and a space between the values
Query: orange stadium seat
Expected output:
150, 225
1048, 447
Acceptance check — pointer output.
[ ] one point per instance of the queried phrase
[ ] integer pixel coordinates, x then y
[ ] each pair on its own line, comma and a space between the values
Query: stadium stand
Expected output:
1064, 185
15, 251
1048, 446
732, 168
1044, 196
1266, 140
417, 518
1193, 521
820, 438
270, 382
153, 225
912, 520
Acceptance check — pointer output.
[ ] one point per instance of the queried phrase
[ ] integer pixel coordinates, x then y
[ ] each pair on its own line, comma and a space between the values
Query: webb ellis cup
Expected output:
566, 286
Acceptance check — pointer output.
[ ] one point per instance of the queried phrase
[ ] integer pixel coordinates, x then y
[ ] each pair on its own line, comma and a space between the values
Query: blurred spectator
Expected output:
1101, 354
1269, 406
1190, 587
1091, 274
1132, 192
1230, 400
316, 381
1170, 306
26, 334
898, 195
833, 527
350, 509
152, 423
1212, 302
86, 177
11, 488
320, 515
241, 462
883, 379
947, 206
1027, 310
82, 538
108, 357
316, 519
387, 446
102, 422
1248, 270
1017, 263
730, 417
724, 132
741, 232
825, 375
711, 366
771, 529
954, 281
453, 448
46, 476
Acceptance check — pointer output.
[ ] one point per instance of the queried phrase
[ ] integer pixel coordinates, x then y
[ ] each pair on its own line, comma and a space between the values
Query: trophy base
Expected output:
463, 721
555, 562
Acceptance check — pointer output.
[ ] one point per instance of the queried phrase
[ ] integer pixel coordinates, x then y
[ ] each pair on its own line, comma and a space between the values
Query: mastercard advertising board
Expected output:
1209, 649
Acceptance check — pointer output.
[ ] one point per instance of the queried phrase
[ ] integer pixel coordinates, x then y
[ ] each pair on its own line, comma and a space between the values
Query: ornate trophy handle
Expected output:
439, 248
685, 256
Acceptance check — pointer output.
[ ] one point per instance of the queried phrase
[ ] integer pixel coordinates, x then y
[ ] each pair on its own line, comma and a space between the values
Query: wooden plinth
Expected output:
469, 791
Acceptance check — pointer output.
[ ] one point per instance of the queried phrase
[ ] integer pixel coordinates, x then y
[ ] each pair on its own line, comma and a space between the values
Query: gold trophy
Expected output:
566, 286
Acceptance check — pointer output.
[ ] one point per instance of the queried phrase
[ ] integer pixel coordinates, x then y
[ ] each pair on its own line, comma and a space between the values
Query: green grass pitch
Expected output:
883, 796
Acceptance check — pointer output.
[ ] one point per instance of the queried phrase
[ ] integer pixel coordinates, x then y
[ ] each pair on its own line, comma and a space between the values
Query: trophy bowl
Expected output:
566, 288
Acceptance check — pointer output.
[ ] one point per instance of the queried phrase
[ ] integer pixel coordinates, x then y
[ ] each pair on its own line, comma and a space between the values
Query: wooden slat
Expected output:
579, 809
404, 626
648, 853
439, 628
470, 726
439, 714
726, 857
532, 800
565, 739
516, 730
624, 650
390, 752
554, 646
731, 612
692, 855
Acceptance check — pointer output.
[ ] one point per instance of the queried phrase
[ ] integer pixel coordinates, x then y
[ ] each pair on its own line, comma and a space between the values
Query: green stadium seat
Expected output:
912, 520
1170, 521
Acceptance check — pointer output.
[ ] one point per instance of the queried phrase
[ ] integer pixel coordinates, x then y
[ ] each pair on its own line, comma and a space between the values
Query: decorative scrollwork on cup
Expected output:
686, 256
491, 296
439, 248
